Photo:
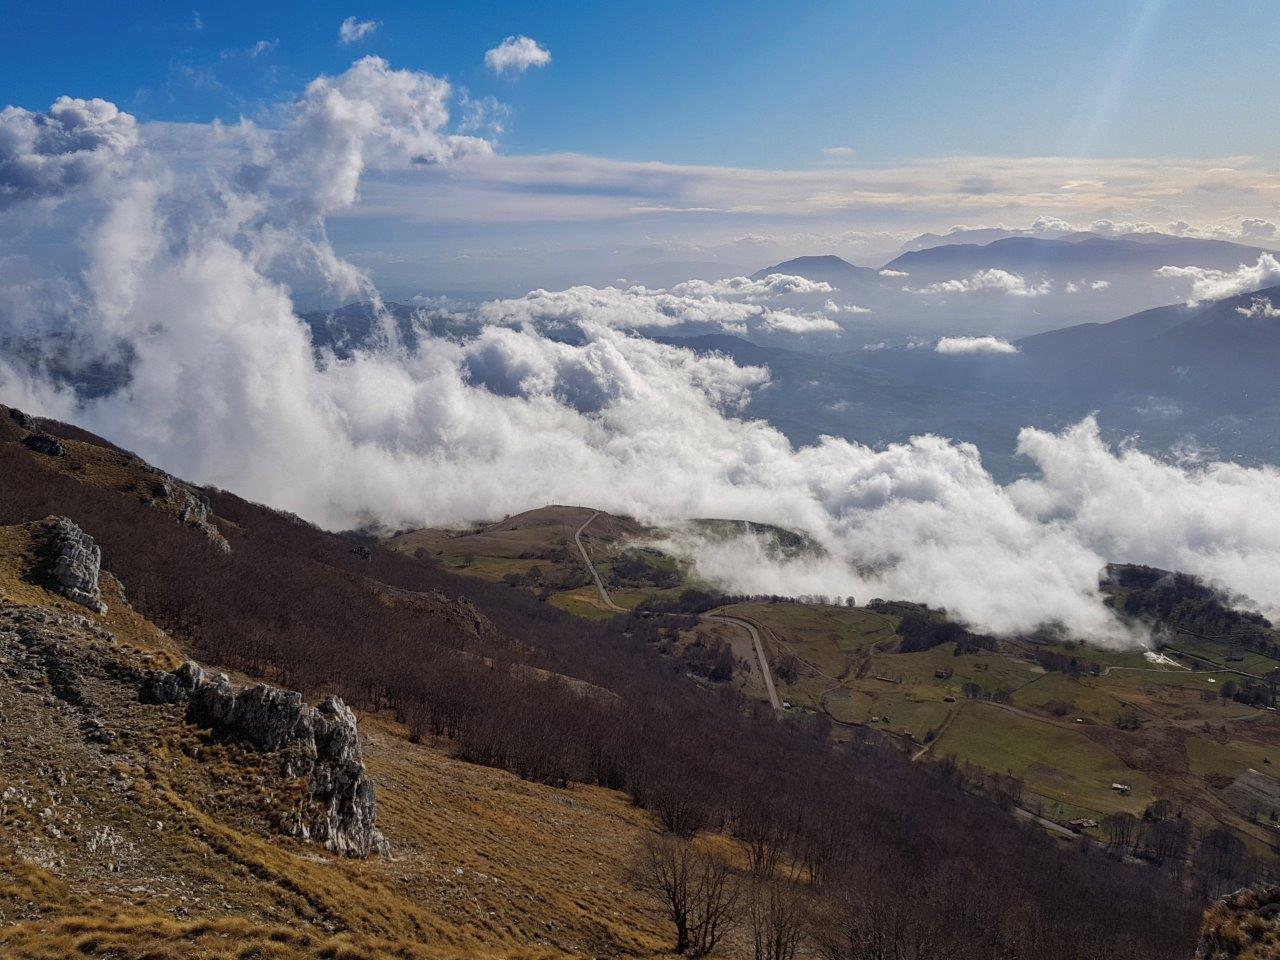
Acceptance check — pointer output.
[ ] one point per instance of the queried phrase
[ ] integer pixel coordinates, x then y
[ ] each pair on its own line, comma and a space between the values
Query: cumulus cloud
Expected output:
993, 281
1210, 284
775, 284
353, 30
516, 55
733, 304
1255, 228
74, 142
970, 345
1260, 308
226, 389
886, 272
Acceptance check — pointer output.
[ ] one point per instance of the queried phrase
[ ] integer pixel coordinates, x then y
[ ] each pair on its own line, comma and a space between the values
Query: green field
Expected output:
1054, 760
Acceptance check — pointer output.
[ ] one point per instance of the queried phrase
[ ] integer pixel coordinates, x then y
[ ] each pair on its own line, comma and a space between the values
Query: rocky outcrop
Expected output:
1244, 925
45, 443
191, 510
320, 743
74, 563
23, 420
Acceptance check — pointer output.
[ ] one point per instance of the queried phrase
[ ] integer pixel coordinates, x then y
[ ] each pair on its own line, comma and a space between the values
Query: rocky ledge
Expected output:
191, 509
320, 743
75, 563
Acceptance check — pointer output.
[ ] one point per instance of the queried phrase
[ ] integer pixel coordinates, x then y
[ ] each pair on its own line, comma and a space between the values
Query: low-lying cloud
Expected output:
185, 266
994, 280
971, 345
1259, 308
1209, 284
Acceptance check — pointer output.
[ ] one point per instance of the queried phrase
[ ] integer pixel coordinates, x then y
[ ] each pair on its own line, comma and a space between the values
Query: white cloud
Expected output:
775, 284
1210, 284
639, 308
1077, 286
894, 273
838, 152
1260, 308
970, 345
74, 143
184, 264
832, 307
993, 280
1256, 228
789, 321
353, 30
516, 55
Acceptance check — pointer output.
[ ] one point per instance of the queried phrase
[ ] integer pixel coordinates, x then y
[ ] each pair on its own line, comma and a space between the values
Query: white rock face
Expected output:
321, 743
77, 561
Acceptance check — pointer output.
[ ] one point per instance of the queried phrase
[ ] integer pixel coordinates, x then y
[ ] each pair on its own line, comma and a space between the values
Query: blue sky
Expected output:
745, 84
734, 133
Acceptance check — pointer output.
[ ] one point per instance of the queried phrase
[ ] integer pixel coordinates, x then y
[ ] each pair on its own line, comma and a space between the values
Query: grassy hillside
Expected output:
521, 758
159, 841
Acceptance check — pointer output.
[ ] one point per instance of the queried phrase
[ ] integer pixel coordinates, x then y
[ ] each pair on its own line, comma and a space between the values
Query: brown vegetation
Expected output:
891, 851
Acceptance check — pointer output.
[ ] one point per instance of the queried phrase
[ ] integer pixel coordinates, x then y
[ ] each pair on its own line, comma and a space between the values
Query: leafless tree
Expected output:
778, 915
696, 890
1121, 830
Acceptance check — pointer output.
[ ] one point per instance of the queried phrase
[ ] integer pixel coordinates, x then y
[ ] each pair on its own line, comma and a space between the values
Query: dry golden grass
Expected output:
483, 864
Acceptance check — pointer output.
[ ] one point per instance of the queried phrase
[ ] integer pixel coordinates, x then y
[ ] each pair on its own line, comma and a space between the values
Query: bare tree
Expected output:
1122, 831
779, 915
696, 890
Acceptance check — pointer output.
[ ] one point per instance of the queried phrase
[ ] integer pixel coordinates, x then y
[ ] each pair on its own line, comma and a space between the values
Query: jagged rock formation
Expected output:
1242, 926
320, 743
75, 561
45, 443
191, 510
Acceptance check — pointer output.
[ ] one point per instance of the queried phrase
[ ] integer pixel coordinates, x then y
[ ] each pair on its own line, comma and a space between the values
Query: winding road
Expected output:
774, 700
595, 575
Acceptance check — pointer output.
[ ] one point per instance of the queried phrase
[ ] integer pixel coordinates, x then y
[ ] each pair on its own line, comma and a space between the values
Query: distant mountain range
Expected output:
1202, 375
1050, 283
1090, 257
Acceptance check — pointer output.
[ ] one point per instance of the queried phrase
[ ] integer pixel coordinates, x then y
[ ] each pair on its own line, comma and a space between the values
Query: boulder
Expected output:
45, 443
75, 562
320, 743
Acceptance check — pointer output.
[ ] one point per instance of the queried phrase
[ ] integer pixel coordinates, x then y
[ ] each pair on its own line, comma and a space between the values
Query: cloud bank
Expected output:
187, 264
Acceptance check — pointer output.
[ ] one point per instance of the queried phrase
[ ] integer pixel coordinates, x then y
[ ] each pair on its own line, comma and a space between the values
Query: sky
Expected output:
719, 133
174, 188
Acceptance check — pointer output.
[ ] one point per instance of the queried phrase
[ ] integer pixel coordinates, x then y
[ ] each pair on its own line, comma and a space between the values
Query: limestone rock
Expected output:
320, 743
75, 563
45, 443
191, 509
